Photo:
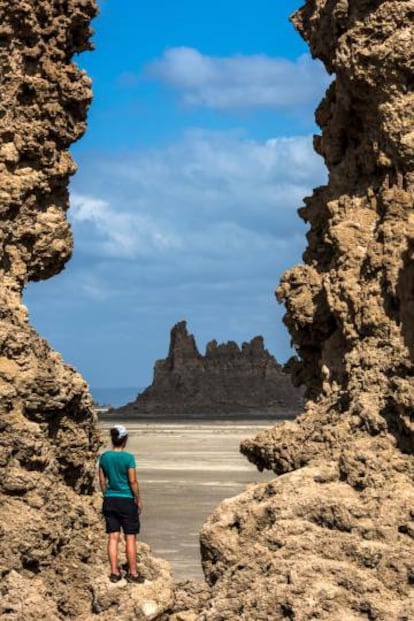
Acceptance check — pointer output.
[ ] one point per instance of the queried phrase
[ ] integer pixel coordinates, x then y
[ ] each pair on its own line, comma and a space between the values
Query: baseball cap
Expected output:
122, 431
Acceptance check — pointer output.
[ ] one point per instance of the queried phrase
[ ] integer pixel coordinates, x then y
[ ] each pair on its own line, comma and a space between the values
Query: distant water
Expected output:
115, 396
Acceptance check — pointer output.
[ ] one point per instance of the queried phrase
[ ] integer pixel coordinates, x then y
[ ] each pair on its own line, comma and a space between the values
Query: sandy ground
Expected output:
185, 470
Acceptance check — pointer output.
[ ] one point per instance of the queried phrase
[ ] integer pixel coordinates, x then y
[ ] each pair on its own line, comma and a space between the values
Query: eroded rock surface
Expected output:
333, 537
228, 379
52, 563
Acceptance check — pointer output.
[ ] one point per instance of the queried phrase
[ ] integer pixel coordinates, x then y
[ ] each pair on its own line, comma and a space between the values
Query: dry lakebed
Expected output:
185, 469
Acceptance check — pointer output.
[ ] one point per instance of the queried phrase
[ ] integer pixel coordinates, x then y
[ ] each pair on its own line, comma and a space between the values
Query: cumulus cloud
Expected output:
119, 233
209, 194
208, 222
239, 82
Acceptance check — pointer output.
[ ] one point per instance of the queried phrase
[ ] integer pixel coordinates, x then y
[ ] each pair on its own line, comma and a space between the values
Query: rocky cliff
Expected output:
333, 536
51, 537
226, 380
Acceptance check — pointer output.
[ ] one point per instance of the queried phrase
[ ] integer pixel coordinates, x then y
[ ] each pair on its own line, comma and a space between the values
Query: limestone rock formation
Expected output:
51, 536
333, 537
226, 380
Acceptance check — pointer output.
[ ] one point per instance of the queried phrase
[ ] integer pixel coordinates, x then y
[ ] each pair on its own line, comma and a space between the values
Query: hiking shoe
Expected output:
115, 577
137, 579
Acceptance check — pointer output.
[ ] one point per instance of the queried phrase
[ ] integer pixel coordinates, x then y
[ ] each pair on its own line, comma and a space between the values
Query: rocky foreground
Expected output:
226, 380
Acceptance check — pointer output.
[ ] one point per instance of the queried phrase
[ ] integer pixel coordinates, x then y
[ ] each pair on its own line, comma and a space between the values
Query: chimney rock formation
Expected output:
227, 380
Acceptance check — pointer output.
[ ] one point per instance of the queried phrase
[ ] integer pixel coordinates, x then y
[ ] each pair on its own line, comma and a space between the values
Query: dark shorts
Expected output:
121, 513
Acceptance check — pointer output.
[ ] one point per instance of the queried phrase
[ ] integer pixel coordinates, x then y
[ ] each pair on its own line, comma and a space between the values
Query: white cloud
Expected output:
240, 82
119, 234
204, 198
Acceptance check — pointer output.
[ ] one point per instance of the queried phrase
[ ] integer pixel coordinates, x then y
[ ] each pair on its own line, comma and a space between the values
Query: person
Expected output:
122, 504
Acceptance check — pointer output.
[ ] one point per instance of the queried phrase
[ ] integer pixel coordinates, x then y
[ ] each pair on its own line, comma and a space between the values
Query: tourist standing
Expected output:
122, 503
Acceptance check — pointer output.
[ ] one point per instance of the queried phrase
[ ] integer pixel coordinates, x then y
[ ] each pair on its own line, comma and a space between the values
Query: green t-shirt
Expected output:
115, 465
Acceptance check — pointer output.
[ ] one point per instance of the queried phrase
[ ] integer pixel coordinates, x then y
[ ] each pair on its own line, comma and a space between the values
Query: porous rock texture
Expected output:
228, 379
332, 538
52, 561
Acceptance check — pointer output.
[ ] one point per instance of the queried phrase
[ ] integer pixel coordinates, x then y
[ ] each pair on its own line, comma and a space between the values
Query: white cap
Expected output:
122, 431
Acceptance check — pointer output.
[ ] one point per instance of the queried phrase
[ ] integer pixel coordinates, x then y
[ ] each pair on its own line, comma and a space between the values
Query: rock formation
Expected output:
333, 537
226, 380
51, 537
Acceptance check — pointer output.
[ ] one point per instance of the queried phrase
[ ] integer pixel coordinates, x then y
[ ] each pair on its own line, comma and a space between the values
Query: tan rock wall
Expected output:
52, 558
332, 537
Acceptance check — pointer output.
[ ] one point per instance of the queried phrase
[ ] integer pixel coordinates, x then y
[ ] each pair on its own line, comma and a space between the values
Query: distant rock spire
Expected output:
226, 380
183, 349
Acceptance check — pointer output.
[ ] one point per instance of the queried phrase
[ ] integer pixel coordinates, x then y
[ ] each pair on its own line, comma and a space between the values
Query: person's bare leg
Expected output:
113, 540
131, 553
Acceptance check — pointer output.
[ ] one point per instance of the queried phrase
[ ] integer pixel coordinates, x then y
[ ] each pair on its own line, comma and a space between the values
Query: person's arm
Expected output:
102, 481
133, 482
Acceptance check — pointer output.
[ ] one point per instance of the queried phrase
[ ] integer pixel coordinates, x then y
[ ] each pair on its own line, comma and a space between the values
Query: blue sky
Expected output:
197, 156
